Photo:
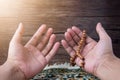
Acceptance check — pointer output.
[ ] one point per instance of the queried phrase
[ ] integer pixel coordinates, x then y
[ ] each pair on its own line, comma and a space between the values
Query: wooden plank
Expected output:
82, 8
60, 24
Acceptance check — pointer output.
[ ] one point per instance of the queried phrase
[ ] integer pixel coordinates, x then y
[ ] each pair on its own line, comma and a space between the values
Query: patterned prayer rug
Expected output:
63, 72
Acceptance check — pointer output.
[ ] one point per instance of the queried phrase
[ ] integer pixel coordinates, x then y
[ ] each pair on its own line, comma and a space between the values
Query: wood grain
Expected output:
59, 15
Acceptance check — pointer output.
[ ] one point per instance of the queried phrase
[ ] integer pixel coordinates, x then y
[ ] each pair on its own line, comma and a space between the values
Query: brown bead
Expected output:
79, 47
83, 38
80, 43
77, 52
81, 57
82, 64
71, 59
73, 64
84, 31
84, 34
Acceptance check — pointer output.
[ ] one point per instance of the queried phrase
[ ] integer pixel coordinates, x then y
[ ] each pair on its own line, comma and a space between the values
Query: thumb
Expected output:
18, 34
101, 32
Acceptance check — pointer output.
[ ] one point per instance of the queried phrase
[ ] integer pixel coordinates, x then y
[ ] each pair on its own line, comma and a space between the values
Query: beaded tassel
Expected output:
78, 51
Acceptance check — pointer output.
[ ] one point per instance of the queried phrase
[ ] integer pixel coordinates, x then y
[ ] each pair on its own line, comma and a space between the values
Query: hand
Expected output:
95, 53
35, 55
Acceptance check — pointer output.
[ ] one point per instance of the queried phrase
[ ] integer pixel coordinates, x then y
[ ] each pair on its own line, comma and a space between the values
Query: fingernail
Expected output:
99, 24
74, 27
68, 29
20, 24
50, 29
43, 25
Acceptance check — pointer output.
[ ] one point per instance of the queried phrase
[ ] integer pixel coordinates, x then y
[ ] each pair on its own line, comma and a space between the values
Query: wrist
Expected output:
108, 68
9, 71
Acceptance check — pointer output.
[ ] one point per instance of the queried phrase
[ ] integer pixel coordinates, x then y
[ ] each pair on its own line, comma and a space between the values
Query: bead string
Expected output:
78, 51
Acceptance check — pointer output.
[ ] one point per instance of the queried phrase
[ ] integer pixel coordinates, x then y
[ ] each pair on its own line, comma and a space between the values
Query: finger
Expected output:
101, 32
49, 45
18, 34
69, 50
73, 35
69, 39
79, 33
53, 51
45, 39
33, 41
78, 61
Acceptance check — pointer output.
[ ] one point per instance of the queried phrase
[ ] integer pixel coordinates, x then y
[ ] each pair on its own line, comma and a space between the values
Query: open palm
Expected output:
94, 52
35, 55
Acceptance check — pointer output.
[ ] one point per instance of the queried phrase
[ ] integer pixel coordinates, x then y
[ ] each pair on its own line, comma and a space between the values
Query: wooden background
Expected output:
60, 15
